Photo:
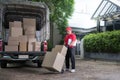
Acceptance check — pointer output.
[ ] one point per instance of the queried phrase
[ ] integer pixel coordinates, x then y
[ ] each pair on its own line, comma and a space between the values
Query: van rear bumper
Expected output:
21, 56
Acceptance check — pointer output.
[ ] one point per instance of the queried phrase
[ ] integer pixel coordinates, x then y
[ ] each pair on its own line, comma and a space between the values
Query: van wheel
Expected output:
39, 64
3, 64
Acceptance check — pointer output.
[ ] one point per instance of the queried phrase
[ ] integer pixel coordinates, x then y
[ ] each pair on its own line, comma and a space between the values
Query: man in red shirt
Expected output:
70, 43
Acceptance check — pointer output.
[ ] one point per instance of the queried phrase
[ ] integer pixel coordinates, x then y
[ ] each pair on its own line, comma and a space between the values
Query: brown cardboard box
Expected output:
12, 38
30, 31
11, 48
13, 43
30, 36
32, 40
17, 24
37, 46
25, 27
53, 61
31, 44
61, 49
31, 28
11, 24
23, 38
27, 22
23, 46
16, 31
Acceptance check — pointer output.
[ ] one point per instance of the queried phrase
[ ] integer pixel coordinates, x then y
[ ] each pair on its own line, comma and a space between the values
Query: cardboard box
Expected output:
31, 44
61, 49
15, 24
11, 24
30, 31
25, 27
37, 46
11, 48
13, 43
32, 40
13, 38
53, 61
23, 46
30, 28
30, 36
27, 22
23, 38
16, 31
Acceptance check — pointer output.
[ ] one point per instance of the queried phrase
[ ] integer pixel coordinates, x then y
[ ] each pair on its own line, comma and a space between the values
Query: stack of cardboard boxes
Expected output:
22, 36
54, 60
15, 31
29, 27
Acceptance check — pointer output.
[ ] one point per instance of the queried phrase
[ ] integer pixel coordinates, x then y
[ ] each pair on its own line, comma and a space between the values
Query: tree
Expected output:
60, 11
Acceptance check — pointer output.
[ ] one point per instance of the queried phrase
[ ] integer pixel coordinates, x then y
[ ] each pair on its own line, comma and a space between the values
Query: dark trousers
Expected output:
70, 56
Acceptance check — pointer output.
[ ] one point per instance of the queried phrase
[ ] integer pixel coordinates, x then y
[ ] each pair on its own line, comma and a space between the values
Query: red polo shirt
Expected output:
72, 37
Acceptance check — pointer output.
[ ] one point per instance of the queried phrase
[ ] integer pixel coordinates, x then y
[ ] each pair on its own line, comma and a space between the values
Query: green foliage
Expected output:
103, 42
61, 42
50, 46
60, 11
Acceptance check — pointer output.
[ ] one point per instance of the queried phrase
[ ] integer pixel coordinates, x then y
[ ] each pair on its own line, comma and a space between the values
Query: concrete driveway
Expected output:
85, 70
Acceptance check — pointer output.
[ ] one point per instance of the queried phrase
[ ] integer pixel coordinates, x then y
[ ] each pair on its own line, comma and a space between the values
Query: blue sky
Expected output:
83, 10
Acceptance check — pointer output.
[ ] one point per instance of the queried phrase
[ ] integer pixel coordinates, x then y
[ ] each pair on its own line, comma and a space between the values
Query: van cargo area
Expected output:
23, 26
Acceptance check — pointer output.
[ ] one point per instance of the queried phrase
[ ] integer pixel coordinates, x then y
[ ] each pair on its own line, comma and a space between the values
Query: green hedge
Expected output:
103, 42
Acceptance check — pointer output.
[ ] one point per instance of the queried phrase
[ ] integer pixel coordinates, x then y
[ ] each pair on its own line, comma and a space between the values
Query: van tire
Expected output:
39, 64
3, 64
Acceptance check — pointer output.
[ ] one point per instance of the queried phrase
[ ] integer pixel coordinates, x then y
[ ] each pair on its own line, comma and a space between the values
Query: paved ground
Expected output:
85, 70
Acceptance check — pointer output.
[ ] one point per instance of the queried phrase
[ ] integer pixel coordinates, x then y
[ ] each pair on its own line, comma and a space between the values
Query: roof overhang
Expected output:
107, 10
